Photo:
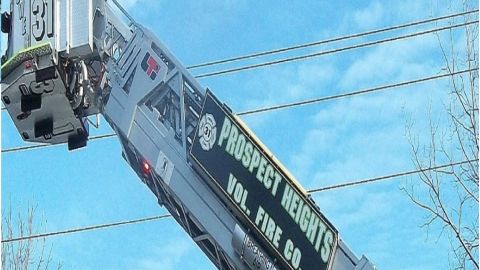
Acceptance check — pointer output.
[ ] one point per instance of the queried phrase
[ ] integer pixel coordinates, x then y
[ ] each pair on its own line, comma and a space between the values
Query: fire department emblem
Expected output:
207, 132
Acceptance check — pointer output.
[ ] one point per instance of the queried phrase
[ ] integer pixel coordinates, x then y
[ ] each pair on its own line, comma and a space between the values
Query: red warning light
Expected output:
28, 64
146, 167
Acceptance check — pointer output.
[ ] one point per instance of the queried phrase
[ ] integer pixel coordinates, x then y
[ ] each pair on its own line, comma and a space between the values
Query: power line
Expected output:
303, 57
326, 41
311, 191
31, 147
281, 106
387, 177
88, 228
329, 40
354, 93
307, 56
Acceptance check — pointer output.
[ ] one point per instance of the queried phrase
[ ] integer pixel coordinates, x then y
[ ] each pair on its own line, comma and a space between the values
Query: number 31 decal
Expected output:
42, 19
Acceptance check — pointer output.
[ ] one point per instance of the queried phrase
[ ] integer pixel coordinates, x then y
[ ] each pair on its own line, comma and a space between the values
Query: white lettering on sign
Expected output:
242, 150
268, 226
42, 19
292, 254
315, 230
285, 218
236, 190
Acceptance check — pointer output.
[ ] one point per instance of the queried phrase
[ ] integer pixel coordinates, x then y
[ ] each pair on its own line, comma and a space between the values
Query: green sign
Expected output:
261, 192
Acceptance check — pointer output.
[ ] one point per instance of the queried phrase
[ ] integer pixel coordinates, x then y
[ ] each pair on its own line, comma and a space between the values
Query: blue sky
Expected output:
323, 144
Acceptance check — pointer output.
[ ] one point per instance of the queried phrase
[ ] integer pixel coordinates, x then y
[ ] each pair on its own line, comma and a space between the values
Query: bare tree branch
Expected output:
450, 197
22, 255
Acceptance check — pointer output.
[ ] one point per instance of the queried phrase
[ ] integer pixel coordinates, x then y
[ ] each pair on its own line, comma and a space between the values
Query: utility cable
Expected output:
311, 191
320, 42
40, 145
329, 40
88, 228
303, 57
282, 106
317, 54
388, 177
354, 93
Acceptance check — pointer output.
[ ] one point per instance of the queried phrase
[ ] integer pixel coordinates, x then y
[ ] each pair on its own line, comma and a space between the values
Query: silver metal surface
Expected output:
250, 251
80, 27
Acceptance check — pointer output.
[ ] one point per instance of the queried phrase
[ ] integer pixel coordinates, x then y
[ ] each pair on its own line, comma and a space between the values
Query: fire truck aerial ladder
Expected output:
69, 59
